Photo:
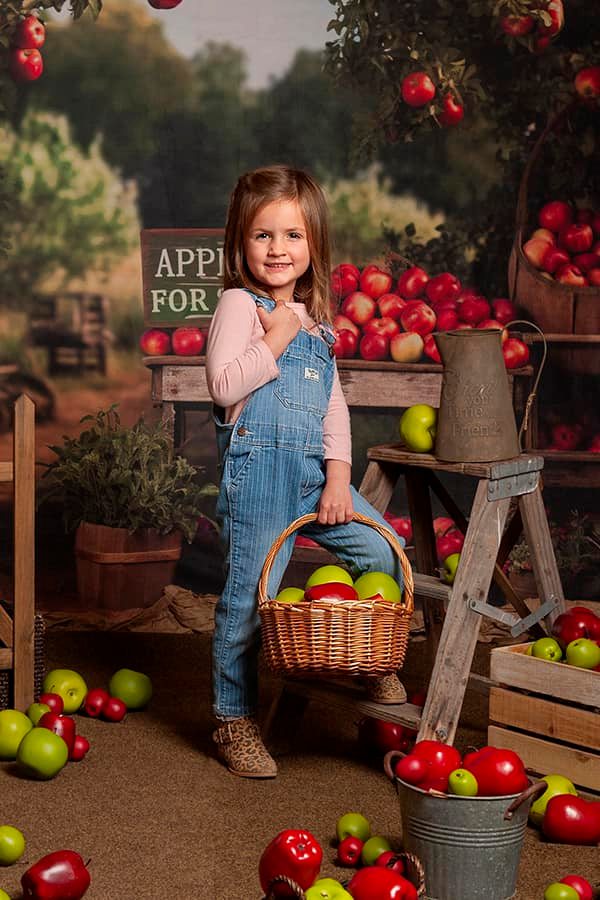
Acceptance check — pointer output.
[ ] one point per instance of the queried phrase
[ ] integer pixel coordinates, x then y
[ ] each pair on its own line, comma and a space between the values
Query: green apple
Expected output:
373, 848
371, 583
559, 891
327, 889
42, 753
353, 824
417, 427
12, 845
133, 688
325, 574
14, 725
557, 784
583, 653
546, 648
530, 650
67, 684
35, 711
462, 783
290, 595
4, 895
450, 565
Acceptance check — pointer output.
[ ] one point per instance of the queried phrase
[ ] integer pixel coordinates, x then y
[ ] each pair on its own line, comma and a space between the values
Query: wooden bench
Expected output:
18, 630
73, 329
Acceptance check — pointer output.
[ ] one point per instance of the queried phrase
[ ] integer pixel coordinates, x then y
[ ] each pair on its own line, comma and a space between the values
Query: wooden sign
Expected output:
182, 274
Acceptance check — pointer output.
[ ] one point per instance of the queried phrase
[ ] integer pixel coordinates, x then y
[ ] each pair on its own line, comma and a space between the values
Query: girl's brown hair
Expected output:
253, 191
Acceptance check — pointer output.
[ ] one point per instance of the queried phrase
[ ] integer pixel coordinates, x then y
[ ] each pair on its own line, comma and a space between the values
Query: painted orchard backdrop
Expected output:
439, 130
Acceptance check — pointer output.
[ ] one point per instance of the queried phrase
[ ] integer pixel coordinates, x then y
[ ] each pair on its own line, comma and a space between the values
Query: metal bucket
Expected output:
469, 846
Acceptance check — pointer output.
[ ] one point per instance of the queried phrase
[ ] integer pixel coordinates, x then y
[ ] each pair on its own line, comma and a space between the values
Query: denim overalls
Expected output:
273, 472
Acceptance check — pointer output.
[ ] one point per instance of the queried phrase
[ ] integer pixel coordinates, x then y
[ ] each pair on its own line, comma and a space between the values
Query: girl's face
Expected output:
276, 247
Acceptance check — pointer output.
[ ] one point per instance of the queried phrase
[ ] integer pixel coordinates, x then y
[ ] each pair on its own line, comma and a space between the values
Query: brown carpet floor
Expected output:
161, 818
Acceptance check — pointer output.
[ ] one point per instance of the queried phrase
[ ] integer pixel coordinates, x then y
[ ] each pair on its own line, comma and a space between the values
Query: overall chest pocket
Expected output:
303, 382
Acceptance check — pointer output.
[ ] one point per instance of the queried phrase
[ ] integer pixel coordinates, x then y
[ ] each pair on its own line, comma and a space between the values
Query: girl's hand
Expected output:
281, 327
335, 503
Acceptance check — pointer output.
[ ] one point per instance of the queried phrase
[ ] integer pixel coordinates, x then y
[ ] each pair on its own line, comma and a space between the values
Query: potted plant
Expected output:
131, 500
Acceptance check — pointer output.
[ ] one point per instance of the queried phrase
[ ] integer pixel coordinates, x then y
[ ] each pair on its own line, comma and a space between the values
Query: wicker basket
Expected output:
557, 308
413, 872
346, 637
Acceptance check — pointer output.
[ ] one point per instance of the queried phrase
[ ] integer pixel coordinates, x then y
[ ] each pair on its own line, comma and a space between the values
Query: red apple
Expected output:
430, 349
401, 525
535, 250
331, 590
452, 111
417, 89
449, 543
593, 277
155, 342
54, 701
570, 274
164, 4
384, 325
375, 283
579, 884
114, 710
554, 258
411, 769
587, 82
359, 307
447, 319
390, 860
345, 279
346, 344
94, 702
381, 735
594, 445
586, 261
473, 309
29, 34
462, 326
391, 306
576, 238
340, 322
406, 347
187, 341
544, 234
442, 286
442, 524
493, 323
555, 215
81, 746
418, 317
374, 346
25, 65
446, 303
517, 26
412, 283
572, 820
515, 352
504, 310
63, 726
566, 437
572, 626
498, 771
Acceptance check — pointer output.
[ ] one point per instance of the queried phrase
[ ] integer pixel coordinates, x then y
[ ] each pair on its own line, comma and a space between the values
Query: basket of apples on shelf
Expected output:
381, 319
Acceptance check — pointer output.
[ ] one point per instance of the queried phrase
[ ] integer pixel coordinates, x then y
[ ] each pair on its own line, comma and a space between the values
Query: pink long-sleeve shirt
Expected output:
238, 362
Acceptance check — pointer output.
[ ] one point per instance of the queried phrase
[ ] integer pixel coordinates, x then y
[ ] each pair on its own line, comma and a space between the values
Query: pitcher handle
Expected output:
533, 392
534, 791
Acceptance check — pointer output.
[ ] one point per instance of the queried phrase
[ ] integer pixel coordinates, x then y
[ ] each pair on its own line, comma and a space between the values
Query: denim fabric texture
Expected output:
272, 472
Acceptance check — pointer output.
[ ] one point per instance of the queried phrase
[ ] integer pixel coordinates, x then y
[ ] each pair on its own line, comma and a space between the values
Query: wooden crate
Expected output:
548, 712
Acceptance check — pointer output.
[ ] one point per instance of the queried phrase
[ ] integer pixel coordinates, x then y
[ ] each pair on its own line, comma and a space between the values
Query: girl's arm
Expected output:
335, 503
237, 360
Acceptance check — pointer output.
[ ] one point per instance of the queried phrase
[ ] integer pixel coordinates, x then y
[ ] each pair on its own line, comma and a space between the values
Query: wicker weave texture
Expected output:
366, 638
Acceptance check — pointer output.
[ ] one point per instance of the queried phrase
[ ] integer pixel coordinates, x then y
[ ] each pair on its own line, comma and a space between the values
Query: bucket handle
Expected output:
388, 760
532, 792
533, 392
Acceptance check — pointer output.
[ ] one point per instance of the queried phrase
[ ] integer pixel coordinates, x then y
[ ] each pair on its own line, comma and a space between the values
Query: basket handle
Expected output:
414, 869
551, 125
407, 599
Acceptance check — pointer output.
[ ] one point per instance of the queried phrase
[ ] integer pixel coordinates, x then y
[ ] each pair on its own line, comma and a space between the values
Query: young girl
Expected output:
283, 433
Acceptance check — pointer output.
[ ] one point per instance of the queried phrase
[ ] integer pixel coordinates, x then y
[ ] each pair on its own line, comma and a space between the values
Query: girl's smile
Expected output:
276, 247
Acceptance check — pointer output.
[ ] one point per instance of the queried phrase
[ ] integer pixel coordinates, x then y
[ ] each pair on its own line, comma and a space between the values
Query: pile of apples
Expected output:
187, 340
439, 768
567, 436
380, 320
333, 583
575, 640
536, 32
566, 245
563, 816
358, 847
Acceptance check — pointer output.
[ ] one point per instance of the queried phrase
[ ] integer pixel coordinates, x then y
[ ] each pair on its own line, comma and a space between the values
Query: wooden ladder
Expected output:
17, 633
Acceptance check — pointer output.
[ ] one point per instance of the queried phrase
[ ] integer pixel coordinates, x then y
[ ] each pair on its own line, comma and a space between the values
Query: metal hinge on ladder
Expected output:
516, 624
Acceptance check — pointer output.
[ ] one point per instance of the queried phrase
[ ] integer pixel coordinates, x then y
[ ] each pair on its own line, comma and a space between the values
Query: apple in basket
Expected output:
332, 590
370, 585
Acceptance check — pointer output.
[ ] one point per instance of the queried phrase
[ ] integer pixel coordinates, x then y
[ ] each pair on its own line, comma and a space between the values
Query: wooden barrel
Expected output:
556, 308
117, 569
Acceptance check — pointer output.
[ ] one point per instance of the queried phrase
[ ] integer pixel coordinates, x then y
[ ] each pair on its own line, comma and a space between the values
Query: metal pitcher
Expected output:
476, 420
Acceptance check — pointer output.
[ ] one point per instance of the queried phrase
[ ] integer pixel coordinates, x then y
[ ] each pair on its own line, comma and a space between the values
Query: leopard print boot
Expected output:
387, 689
240, 747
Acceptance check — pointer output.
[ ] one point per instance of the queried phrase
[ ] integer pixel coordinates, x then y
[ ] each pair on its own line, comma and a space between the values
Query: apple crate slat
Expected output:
555, 307
548, 713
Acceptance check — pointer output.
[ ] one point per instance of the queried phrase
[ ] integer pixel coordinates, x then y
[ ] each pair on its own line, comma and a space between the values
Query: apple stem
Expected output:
87, 864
